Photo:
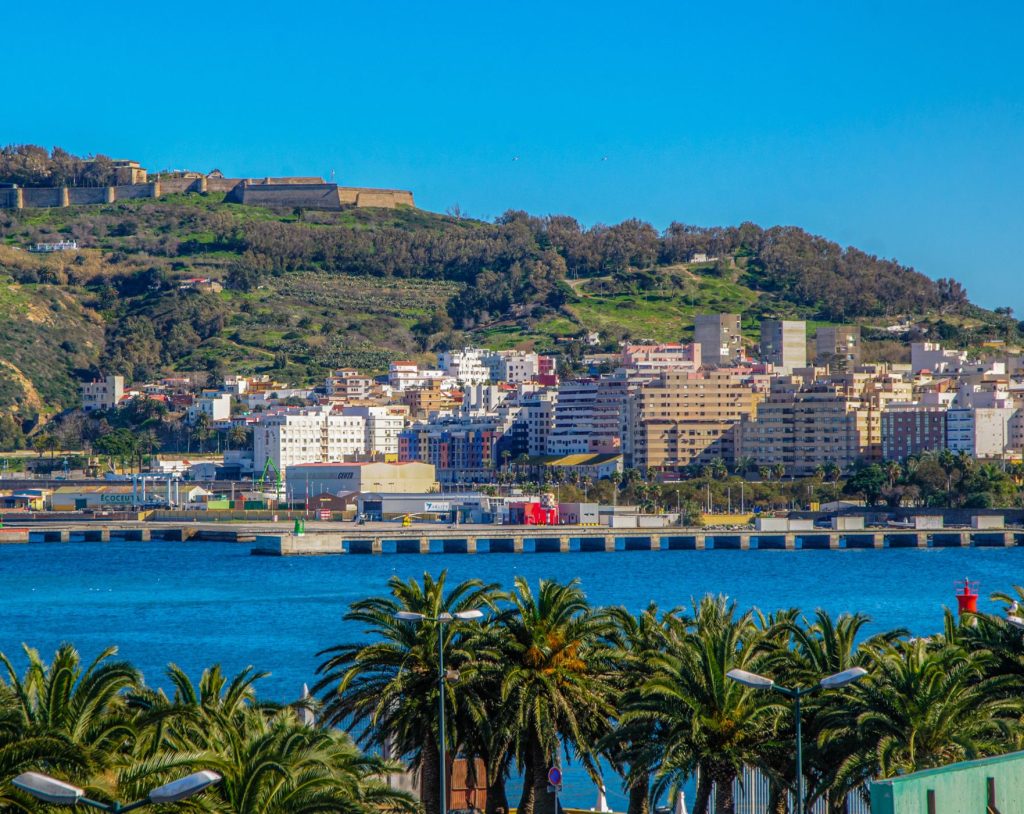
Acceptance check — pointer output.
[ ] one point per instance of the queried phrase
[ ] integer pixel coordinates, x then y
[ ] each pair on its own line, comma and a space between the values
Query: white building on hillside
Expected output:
465, 366
307, 435
383, 426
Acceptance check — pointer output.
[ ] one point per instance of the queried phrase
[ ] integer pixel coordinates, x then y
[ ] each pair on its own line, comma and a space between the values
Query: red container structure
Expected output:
967, 598
543, 512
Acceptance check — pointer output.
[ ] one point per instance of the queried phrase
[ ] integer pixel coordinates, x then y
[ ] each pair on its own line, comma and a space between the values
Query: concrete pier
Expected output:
13, 535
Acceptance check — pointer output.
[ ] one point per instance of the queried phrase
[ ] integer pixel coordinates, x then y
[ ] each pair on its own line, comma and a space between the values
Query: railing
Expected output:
751, 792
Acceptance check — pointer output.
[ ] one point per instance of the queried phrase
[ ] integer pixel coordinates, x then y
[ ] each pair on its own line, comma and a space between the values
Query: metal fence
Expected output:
751, 791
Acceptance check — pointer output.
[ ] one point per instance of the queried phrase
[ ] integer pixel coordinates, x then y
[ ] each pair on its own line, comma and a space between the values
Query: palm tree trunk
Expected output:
526, 800
778, 802
639, 797
725, 801
543, 801
430, 777
700, 802
497, 796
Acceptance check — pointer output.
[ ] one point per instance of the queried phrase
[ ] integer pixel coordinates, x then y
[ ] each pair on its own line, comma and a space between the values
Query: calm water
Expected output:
201, 603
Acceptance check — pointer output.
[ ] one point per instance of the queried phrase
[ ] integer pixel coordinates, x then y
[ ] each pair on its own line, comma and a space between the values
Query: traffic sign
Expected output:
555, 776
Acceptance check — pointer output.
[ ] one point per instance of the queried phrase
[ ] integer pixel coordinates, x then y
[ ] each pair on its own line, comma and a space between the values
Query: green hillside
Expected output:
304, 292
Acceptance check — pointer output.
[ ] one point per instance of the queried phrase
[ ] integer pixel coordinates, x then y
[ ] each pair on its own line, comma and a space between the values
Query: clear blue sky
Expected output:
895, 127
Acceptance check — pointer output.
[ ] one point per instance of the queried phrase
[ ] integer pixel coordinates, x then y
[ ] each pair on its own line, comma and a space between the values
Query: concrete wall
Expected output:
45, 197
958, 789
288, 196
244, 191
88, 195
127, 191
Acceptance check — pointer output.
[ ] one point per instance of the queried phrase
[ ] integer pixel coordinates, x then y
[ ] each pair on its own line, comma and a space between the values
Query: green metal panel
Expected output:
961, 788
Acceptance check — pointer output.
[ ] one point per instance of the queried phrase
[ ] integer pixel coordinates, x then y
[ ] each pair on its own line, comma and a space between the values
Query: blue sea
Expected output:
202, 603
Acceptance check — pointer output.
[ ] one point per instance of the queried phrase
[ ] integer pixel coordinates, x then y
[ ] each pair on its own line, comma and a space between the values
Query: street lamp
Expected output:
832, 682
453, 675
57, 792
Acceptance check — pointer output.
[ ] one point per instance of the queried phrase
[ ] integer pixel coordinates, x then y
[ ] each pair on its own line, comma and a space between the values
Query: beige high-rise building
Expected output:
784, 343
802, 426
683, 418
838, 347
719, 337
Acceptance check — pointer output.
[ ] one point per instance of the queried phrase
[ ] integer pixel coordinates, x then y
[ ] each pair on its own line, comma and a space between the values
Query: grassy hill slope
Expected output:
308, 291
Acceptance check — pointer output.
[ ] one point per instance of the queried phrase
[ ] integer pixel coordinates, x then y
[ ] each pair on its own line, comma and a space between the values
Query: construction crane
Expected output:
261, 482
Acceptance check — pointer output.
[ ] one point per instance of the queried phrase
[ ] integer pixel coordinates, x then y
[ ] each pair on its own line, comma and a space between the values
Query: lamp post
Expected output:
832, 682
441, 620
57, 792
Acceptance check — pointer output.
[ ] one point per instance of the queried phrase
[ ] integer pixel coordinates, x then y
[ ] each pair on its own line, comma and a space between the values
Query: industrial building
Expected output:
310, 480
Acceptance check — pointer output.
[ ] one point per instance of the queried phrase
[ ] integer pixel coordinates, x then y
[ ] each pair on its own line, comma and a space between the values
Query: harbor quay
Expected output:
321, 537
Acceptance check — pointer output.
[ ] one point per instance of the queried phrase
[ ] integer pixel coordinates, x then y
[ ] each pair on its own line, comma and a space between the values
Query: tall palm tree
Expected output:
558, 681
388, 688
922, 706
711, 726
823, 647
633, 745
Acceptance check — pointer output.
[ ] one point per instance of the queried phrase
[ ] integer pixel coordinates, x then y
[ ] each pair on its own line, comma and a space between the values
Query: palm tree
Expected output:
711, 726
821, 648
81, 707
633, 746
388, 688
921, 706
558, 681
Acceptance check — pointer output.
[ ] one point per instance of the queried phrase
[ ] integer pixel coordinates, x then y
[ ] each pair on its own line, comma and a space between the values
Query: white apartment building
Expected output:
512, 366
216, 406
103, 394
407, 375
466, 366
932, 356
981, 432
382, 428
307, 435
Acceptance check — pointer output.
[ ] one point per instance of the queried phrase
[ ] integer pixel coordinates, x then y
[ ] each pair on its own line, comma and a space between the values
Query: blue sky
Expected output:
895, 127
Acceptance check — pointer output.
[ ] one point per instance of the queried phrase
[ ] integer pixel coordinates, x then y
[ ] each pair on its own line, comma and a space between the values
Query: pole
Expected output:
799, 756
440, 686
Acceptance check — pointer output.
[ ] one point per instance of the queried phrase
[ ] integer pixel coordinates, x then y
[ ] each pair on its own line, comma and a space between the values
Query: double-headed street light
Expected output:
57, 792
832, 682
442, 620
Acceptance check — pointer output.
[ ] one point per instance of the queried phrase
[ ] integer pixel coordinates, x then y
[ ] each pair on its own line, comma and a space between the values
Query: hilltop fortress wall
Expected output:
285, 193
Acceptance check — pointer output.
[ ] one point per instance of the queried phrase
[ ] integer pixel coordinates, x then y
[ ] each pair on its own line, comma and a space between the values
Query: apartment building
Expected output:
911, 429
719, 337
104, 394
784, 344
349, 385
653, 359
307, 435
686, 418
382, 426
213, 404
406, 375
515, 366
589, 417
838, 346
981, 432
432, 398
465, 366
802, 425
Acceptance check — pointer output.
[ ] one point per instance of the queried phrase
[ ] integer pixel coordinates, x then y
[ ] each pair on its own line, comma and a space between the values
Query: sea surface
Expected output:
201, 603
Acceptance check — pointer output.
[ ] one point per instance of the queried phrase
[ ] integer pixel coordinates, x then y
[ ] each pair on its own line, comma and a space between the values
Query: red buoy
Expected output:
967, 598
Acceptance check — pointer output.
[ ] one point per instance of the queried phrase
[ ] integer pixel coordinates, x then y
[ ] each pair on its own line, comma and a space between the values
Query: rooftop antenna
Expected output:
332, 176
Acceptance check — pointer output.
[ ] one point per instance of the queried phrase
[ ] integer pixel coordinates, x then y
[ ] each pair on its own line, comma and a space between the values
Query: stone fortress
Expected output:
133, 181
